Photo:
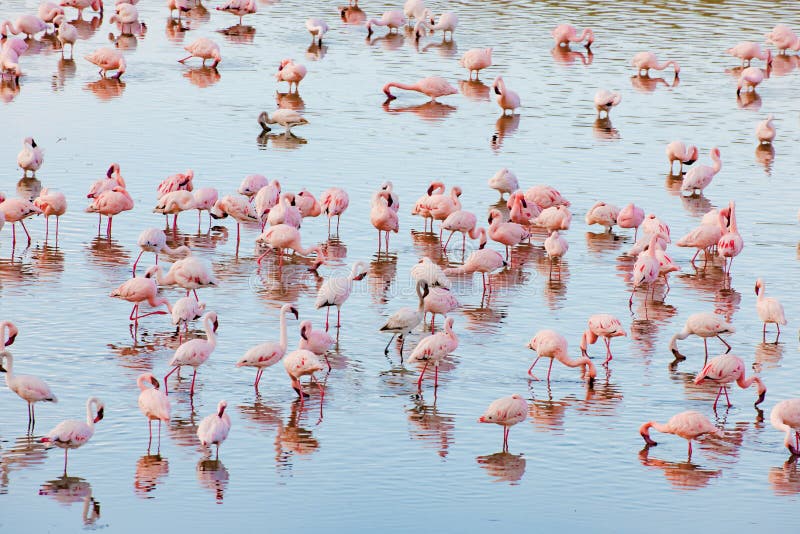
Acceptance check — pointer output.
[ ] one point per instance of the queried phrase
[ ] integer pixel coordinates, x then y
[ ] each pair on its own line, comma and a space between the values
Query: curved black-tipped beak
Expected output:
295, 312
216, 324
303, 333
33, 143
11, 340
3, 369
678, 355
496, 90
110, 171
154, 381
99, 416
760, 398
648, 440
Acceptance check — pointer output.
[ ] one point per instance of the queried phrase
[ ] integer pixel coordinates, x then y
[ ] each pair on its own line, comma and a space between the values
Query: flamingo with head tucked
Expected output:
770, 310
475, 60
30, 158
434, 348
155, 240
334, 202
240, 8
604, 100
384, 218
214, 428
731, 243
317, 341
783, 38
506, 412
153, 403
291, 72
765, 130
631, 216
51, 203
682, 153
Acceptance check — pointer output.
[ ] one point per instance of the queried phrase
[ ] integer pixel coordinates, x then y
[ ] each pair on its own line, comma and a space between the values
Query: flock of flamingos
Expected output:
279, 213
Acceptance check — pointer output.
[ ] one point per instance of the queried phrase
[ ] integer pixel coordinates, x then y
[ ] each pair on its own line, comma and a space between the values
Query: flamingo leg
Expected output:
726, 344
258, 379
779, 332
705, 345
550, 369
327, 317
386, 349
436, 376
166, 389
726, 397
719, 392
137, 262
191, 389
22, 222
422, 374
531, 367
338, 317
65, 462
690, 449
150, 430
108, 228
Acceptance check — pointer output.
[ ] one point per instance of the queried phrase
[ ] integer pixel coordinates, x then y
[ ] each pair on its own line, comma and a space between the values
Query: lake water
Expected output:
383, 457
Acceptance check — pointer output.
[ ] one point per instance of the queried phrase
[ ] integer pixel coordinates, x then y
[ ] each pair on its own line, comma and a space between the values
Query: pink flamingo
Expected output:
434, 348
631, 216
181, 6
268, 354
783, 38
283, 237
785, 416
300, 363
603, 214
391, 19
731, 244
205, 49
554, 218
475, 60
520, 210
237, 207
564, 34
195, 352
556, 247
176, 182
214, 428
67, 35
31, 389
72, 433
267, 198
406, 319
646, 269
317, 28
682, 153
142, 289
30, 158
8, 333
507, 99
252, 184
688, 425
551, 344
433, 87
240, 8
317, 341
113, 179
545, 197
48, 12
80, 5
770, 310
111, 203
749, 79
447, 23
604, 100
425, 270
440, 206
602, 325
421, 206
654, 225
10, 52
726, 369
184, 310
335, 291
384, 218
748, 51
439, 300
334, 202
291, 72
108, 59
765, 130
703, 237
507, 233
155, 240
647, 61
28, 24
285, 212
16, 210
51, 203
483, 260
204, 200
153, 403
124, 15
504, 181
190, 273
308, 206
698, 178
506, 412
704, 325
460, 221
173, 203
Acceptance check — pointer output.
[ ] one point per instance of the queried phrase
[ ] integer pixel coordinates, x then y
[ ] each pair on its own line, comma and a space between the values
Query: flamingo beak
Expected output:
99, 416
33, 143
648, 440
154, 381
110, 171
360, 276
496, 90
295, 312
3, 369
216, 324
303, 333
760, 398
11, 339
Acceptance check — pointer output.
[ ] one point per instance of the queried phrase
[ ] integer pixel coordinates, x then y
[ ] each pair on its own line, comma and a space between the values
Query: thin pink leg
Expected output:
531, 367
550, 369
327, 317
726, 397
419, 382
166, 389
137, 262
338, 309
26, 231
435, 376
719, 392
191, 389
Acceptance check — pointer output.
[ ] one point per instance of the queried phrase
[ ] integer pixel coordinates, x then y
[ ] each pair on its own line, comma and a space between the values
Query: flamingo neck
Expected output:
89, 417
211, 336
9, 365
141, 382
283, 341
399, 85
4, 328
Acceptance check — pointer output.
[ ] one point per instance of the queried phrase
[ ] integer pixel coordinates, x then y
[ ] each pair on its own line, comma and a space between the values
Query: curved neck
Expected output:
89, 415
399, 85
482, 232
209, 329
734, 228
584, 34
717, 162
283, 341
4, 328
142, 381
665, 65
9, 364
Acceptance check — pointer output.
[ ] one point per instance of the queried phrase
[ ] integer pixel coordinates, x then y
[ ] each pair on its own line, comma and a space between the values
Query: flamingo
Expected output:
646, 270
765, 130
748, 51
335, 291
317, 28
155, 240
214, 428
72, 433
308, 206
726, 369
67, 35
113, 179
770, 310
173, 203
698, 178
433, 87
16, 210
29, 388
421, 206
300, 363
48, 12
8, 333
406, 319
704, 325
181, 6
285, 212
447, 23
654, 225
393, 20
603, 214
28, 24
10, 52
564, 34
153, 403
604, 100
731, 244
688, 425
647, 61
506, 412
237, 207
545, 197
267, 198
268, 354
204, 200
439, 300
602, 325
240, 8
556, 247
475, 60
785, 416
142, 289
124, 15
195, 352
30, 158
184, 310
704, 236
384, 218
504, 181
334, 202
108, 59
749, 79
483, 260
425, 270
506, 233
205, 49
190, 273
434, 348
682, 153
181, 181
520, 210
461, 221
285, 237
551, 344
631, 216
51, 203
507, 99
291, 72
783, 38
288, 118
80, 5
317, 341
416, 9
440, 206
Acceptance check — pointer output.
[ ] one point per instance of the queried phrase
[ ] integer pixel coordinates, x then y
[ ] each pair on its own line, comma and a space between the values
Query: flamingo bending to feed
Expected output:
317, 28
240, 8
785, 416
72, 433
142, 289
309, 206
551, 344
688, 425
506, 412
704, 236
184, 310
214, 428
698, 178
504, 181
425, 270
393, 20
603, 214
647, 61
51, 203
765, 130
439, 300
770, 310
237, 207
205, 49
335, 291
564, 34
300, 363
704, 325
433, 87
731, 244
682, 153
460, 221
29, 388
506, 233
748, 51
631, 216
556, 247
475, 60
155, 240
604, 100
291, 72
16, 210
195, 352
507, 99
28, 24
406, 319
434, 348
384, 218
334, 202
252, 184
447, 23
749, 79
268, 354
783, 38
108, 59
30, 158
483, 260
646, 270
602, 325
288, 118
80, 5
153, 403
190, 273
440, 206
48, 12
283, 237
317, 341
726, 369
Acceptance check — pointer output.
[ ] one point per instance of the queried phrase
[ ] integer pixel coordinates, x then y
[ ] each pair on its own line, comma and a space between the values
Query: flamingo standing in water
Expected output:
507, 99
205, 49
317, 28
108, 59
285, 212
688, 425
460, 221
749, 79
173, 203
785, 416
704, 236
251, 185
433, 87
72, 433
704, 325
731, 244
27, 23
783, 38
184, 310
520, 210
190, 273
506, 412
507, 233
447, 23
556, 247
300, 363
111, 203
16, 210
181, 181
51, 203
112, 179
554, 218
204, 200
142, 289
406, 319
155, 240
604, 100
726, 369
335, 291
153, 403
603, 214
483, 260
631, 216
440, 205
268, 354
748, 51
317, 341
682, 153
291, 72
765, 130
267, 198
602, 325
698, 178
391, 19
384, 218
425, 270
551, 344
334, 202
545, 197
282, 237
564, 34
475, 60
770, 310
646, 270
80, 5
439, 300
434, 348
214, 428
29, 388
504, 181
237, 207
30, 158
309, 206
647, 61
195, 352
240, 8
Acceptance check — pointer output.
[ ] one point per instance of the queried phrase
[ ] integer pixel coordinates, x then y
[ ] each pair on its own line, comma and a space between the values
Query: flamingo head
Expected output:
294, 311
221, 408
389, 95
212, 316
590, 34
644, 431
759, 286
100, 413
694, 154
12, 334
494, 214
283, 64
154, 381
304, 327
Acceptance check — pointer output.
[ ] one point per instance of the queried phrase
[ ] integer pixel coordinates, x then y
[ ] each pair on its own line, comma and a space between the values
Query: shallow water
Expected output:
381, 455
